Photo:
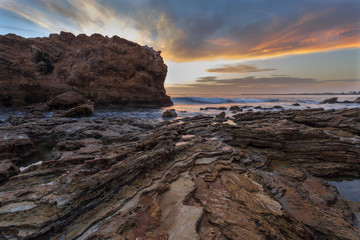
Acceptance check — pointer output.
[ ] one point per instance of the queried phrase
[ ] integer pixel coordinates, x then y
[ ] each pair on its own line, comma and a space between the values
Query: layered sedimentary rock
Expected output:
104, 70
257, 176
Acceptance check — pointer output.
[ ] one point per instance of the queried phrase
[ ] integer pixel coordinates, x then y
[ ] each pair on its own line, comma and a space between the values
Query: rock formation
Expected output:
260, 175
169, 113
104, 70
357, 100
335, 100
331, 100
235, 108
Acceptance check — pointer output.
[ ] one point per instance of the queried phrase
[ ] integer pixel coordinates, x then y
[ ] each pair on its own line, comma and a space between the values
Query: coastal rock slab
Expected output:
177, 219
261, 177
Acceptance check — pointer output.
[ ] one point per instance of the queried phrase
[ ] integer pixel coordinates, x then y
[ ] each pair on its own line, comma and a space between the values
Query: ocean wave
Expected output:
215, 100
307, 101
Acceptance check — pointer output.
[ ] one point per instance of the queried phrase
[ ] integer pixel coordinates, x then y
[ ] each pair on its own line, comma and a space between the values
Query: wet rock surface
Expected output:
79, 111
102, 69
335, 100
67, 100
259, 175
170, 113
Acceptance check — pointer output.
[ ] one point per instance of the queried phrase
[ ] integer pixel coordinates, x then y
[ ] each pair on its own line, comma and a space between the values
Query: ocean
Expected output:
188, 106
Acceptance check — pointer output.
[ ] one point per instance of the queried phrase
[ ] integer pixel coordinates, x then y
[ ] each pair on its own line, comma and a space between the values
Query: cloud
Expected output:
221, 42
77, 16
279, 75
214, 85
242, 30
210, 79
20, 29
238, 68
270, 81
203, 30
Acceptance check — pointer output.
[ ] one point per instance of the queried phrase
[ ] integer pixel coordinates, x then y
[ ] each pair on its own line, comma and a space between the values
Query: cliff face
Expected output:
105, 70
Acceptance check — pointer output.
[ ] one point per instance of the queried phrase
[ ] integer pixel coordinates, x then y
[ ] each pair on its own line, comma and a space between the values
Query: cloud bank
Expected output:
204, 30
282, 84
238, 68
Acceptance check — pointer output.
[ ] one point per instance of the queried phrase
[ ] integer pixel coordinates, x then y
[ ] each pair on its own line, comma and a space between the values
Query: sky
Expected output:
218, 46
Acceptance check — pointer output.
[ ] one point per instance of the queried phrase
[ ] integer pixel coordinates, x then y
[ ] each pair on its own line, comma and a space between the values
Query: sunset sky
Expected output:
218, 47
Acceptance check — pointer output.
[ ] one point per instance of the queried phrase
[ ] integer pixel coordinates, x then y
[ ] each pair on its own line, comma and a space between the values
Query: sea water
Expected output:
348, 189
188, 106
192, 104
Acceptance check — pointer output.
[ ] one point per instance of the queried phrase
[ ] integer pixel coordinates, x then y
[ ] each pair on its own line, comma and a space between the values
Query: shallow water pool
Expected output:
348, 189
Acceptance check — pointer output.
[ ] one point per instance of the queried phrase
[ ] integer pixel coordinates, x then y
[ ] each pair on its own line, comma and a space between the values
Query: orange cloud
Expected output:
214, 85
221, 42
239, 68
317, 32
201, 31
274, 46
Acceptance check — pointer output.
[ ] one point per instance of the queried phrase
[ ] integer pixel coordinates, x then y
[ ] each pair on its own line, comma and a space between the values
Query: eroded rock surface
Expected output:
259, 176
104, 70
335, 100
169, 113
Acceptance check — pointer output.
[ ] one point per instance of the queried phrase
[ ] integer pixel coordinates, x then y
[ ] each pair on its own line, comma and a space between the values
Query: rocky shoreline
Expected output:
258, 175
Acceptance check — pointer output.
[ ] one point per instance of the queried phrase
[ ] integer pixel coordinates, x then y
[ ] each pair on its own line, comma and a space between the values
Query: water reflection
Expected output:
348, 189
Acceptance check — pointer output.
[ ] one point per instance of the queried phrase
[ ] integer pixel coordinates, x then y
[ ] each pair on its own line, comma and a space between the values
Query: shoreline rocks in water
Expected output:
67, 100
213, 108
101, 69
335, 100
79, 111
261, 177
169, 113
235, 108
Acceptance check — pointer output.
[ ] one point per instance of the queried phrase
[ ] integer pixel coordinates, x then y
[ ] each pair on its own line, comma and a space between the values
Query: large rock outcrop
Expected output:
104, 70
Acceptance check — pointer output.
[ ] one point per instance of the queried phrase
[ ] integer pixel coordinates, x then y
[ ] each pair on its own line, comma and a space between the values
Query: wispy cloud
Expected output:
78, 16
279, 75
271, 81
213, 85
194, 30
239, 68
20, 29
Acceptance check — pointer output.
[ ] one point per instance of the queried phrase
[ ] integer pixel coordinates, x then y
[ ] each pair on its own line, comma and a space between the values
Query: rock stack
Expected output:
104, 70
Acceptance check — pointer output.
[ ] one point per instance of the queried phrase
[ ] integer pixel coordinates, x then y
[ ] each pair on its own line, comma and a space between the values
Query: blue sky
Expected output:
277, 41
